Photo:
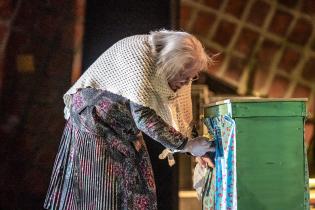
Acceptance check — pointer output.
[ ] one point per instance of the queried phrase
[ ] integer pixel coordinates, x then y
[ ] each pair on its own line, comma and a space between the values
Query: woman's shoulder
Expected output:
90, 93
138, 38
134, 42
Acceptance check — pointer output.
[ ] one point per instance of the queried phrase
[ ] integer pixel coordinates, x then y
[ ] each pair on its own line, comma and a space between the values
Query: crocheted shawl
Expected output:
128, 69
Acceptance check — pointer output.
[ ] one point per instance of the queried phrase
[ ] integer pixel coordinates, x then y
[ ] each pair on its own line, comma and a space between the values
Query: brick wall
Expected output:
38, 42
267, 47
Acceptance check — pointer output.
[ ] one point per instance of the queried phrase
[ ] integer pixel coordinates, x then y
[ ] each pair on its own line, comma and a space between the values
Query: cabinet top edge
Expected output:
253, 100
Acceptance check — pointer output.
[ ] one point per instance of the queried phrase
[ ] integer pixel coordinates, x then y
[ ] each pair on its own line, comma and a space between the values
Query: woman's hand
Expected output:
204, 161
199, 146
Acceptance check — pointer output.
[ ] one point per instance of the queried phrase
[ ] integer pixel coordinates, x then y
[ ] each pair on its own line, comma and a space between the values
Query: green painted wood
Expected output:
270, 158
217, 110
258, 109
270, 163
273, 109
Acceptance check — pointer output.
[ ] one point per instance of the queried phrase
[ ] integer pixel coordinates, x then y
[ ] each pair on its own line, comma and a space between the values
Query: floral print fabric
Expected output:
103, 162
220, 190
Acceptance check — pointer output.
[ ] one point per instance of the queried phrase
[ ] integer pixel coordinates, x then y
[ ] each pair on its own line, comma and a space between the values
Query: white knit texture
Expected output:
127, 68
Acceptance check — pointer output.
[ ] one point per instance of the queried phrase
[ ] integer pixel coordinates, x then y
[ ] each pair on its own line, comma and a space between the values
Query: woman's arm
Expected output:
154, 126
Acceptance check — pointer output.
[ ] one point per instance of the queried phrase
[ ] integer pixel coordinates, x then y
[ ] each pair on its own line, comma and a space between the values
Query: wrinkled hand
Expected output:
198, 146
204, 161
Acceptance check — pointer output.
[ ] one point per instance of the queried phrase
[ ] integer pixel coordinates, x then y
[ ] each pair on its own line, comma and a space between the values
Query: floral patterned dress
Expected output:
102, 162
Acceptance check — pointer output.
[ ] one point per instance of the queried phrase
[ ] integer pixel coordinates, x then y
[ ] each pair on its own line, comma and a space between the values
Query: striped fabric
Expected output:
91, 170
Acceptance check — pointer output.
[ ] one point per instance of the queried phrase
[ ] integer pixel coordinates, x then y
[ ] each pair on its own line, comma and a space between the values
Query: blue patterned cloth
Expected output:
220, 190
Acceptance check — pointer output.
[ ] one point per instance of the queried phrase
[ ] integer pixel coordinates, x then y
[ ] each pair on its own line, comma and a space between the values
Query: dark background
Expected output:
31, 108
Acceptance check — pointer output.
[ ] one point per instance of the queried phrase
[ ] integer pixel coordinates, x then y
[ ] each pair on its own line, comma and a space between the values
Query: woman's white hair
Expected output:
175, 50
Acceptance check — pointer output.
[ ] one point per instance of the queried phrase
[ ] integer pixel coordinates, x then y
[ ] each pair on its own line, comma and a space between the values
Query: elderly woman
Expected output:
140, 84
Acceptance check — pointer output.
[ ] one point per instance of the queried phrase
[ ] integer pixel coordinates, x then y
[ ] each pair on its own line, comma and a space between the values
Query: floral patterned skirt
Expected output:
97, 172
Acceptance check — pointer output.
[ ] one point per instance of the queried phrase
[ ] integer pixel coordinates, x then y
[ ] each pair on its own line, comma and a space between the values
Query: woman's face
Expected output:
183, 78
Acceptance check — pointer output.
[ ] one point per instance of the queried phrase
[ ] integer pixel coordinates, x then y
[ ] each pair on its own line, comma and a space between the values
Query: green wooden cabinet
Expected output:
271, 164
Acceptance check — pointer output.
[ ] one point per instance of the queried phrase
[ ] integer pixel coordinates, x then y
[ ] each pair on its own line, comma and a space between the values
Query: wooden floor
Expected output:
188, 201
